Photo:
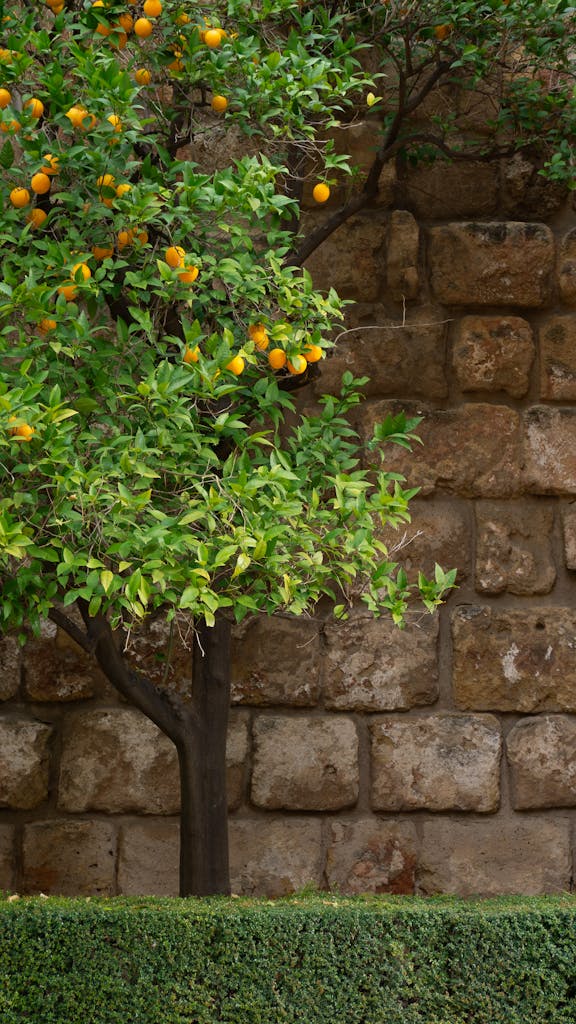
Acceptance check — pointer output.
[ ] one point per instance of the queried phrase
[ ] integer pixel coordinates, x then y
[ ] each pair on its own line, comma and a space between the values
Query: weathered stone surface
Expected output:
567, 268
352, 260
274, 858
9, 667
558, 358
373, 666
525, 192
57, 669
399, 358
304, 763
370, 855
495, 857
441, 762
24, 763
69, 858
542, 757
494, 353
276, 661
148, 858
514, 659
569, 530
237, 751
7, 857
492, 264
403, 242
441, 190
473, 451
550, 450
513, 548
439, 532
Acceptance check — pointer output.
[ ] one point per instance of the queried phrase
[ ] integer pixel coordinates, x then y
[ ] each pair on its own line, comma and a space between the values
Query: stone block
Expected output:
513, 548
569, 532
148, 858
370, 855
440, 762
494, 353
24, 763
271, 857
7, 856
403, 243
550, 450
69, 858
276, 661
371, 665
352, 260
398, 358
567, 268
542, 757
495, 857
237, 753
525, 193
305, 763
492, 264
473, 450
507, 659
55, 668
558, 358
441, 190
9, 667
438, 533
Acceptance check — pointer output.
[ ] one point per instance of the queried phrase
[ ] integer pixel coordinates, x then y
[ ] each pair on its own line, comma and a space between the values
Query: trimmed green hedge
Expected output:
307, 960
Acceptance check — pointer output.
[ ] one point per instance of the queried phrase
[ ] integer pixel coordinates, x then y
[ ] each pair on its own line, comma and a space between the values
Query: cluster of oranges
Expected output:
277, 357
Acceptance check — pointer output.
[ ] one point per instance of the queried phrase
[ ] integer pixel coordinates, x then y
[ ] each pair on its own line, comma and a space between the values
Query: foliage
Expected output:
314, 959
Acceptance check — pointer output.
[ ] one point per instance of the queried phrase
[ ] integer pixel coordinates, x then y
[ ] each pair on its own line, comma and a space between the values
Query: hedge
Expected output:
308, 960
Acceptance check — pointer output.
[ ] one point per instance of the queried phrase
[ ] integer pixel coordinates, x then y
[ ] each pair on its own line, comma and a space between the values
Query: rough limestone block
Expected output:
57, 669
24, 763
304, 763
513, 548
525, 193
569, 531
274, 858
514, 659
403, 243
542, 757
441, 762
148, 858
373, 666
237, 753
492, 264
352, 259
472, 451
550, 450
9, 667
495, 857
69, 858
567, 268
438, 533
7, 856
370, 855
494, 353
276, 661
558, 358
399, 357
441, 190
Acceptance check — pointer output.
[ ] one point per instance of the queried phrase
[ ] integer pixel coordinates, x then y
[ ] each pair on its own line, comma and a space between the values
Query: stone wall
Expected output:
361, 758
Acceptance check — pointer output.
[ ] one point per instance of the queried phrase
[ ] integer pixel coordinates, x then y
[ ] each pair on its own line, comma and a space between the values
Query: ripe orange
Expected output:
321, 192
10, 126
189, 274
257, 332
5, 98
126, 21
125, 237
236, 365
182, 19
82, 268
106, 180
68, 290
40, 183
142, 237
277, 358
19, 197
47, 325
191, 355
36, 107
36, 217
22, 432
51, 164
57, 8
76, 116
213, 37
143, 76
313, 353
297, 364
121, 190
102, 252
103, 30
152, 8
219, 104
442, 32
115, 122
175, 256
143, 28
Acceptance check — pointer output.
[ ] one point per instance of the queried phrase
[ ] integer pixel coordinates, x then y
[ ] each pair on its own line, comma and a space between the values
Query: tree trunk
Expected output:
204, 869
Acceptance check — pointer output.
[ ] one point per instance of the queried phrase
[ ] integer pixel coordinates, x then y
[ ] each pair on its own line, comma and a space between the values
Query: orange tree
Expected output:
155, 319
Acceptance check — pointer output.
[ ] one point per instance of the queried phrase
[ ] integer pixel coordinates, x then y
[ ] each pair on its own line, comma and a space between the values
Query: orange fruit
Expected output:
219, 104
10, 126
442, 32
121, 190
76, 116
125, 237
23, 432
57, 8
82, 268
115, 122
143, 28
51, 164
257, 332
313, 353
236, 365
40, 183
213, 37
36, 217
102, 252
297, 364
47, 325
126, 21
277, 358
68, 290
175, 256
321, 192
5, 98
103, 30
182, 19
143, 76
189, 274
142, 237
19, 197
191, 355
106, 180
36, 107
152, 8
